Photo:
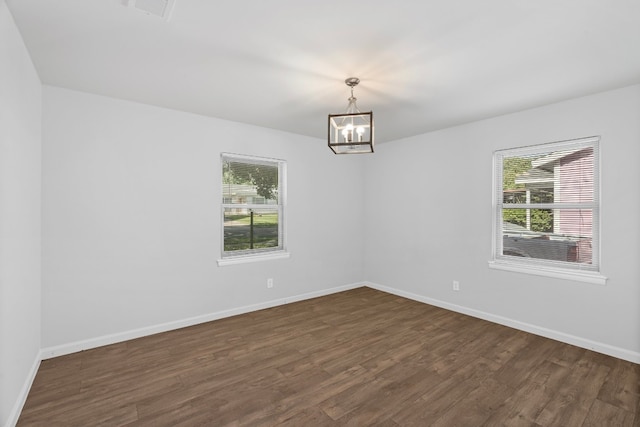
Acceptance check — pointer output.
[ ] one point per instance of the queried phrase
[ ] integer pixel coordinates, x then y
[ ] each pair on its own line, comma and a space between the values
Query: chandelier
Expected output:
351, 132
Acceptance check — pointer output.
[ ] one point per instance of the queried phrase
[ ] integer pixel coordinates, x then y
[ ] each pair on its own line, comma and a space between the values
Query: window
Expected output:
253, 200
546, 210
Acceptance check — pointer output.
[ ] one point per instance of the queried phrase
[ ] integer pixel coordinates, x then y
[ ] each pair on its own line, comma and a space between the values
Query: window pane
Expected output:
244, 182
246, 229
569, 237
531, 219
561, 176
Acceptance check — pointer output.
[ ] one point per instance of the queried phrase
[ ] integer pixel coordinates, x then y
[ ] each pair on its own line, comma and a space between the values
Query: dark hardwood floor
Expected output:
360, 358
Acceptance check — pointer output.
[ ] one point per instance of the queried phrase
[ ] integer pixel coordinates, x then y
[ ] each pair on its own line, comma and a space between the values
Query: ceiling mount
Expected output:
352, 82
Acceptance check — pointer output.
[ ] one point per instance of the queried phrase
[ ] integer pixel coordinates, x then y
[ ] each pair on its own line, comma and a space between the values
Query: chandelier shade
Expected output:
352, 131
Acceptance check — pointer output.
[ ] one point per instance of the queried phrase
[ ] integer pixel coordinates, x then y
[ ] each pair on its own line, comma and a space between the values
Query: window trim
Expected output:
547, 268
257, 255
243, 259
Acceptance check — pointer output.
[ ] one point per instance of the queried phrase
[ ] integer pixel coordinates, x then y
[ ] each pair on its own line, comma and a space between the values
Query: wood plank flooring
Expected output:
357, 358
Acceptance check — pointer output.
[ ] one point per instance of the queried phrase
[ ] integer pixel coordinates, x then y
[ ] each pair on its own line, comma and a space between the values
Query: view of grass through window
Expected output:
253, 230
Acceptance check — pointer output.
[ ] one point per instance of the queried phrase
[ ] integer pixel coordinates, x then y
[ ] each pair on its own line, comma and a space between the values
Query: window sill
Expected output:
580, 276
243, 259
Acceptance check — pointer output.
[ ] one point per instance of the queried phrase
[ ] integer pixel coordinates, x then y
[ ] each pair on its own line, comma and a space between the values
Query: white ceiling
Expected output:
424, 65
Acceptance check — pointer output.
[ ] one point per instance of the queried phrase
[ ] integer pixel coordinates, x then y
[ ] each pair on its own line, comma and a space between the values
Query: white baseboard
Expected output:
607, 349
14, 415
61, 350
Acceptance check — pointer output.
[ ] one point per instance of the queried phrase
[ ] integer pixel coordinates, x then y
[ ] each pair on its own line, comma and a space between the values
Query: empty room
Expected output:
265, 213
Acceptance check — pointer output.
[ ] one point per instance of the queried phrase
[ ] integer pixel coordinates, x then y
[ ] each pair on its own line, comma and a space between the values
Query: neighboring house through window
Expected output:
253, 202
546, 210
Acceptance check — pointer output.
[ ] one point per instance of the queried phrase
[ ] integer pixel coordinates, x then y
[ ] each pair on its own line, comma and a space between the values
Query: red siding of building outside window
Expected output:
576, 186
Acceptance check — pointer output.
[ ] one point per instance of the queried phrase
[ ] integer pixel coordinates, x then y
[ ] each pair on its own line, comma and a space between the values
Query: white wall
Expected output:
131, 229
20, 137
131, 220
428, 205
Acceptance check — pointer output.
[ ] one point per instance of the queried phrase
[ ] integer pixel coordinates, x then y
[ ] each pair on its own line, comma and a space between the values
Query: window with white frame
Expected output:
253, 201
546, 209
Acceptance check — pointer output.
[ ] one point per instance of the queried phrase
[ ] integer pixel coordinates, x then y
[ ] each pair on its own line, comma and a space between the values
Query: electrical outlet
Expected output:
456, 285
269, 283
